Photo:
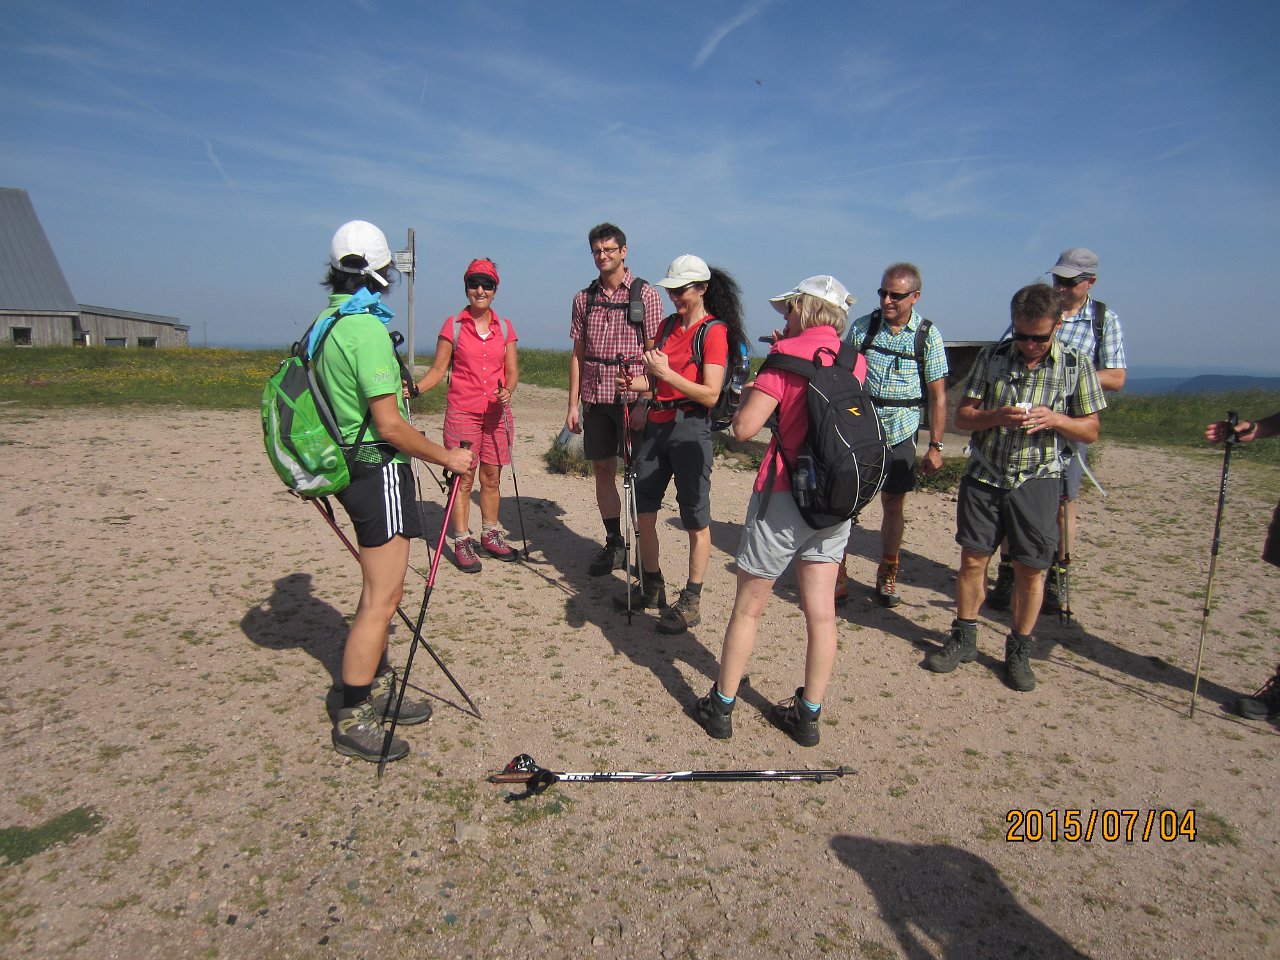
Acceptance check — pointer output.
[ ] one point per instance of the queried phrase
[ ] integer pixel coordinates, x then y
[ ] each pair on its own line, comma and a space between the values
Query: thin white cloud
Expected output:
747, 13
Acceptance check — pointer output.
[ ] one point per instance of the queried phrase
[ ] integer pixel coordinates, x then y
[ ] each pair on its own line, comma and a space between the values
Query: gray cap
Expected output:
1076, 262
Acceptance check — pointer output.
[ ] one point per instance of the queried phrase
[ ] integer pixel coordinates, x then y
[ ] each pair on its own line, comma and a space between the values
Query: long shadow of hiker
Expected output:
941, 901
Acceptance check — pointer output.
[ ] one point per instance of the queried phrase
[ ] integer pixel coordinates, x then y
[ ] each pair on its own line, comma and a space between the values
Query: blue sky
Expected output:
193, 159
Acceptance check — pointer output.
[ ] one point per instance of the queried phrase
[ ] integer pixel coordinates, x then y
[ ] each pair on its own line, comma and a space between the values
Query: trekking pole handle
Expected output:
1233, 421
449, 475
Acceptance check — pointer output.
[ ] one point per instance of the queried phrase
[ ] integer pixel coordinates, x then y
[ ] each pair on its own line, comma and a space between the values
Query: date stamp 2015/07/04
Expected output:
1110, 824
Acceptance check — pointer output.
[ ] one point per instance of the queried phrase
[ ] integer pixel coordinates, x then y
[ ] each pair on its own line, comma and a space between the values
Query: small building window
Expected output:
148, 342
21, 336
116, 342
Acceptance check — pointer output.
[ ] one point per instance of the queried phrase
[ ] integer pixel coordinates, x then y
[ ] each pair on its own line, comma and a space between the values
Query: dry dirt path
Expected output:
174, 619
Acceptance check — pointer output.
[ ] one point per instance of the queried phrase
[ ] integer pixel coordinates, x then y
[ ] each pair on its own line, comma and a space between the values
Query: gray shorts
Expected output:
901, 475
1073, 472
680, 449
768, 543
1027, 515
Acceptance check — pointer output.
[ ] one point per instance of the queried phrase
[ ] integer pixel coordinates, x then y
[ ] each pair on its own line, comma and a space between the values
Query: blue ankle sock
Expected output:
723, 699
811, 707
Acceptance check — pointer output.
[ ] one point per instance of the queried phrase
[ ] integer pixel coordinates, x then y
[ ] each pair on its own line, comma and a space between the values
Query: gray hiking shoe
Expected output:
1017, 663
961, 648
714, 715
1052, 602
652, 597
1264, 704
383, 697
795, 719
682, 614
1001, 595
357, 733
612, 556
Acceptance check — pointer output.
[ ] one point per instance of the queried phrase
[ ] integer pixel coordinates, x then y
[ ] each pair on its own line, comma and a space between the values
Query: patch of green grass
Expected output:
945, 479
1177, 420
19, 843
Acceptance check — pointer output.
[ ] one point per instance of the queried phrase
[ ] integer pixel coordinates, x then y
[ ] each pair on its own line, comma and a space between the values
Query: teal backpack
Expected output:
299, 430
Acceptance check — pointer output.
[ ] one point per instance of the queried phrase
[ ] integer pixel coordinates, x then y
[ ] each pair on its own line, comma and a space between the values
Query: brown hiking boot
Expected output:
357, 733
682, 614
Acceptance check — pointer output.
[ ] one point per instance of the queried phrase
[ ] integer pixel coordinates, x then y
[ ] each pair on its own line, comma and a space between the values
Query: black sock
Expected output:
967, 623
693, 589
355, 694
613, 528
654, 575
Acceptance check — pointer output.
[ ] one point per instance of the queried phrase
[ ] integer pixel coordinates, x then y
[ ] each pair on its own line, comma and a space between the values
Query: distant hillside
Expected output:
1205, 383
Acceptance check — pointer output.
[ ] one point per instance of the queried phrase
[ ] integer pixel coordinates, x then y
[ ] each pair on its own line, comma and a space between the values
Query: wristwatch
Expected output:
936, 445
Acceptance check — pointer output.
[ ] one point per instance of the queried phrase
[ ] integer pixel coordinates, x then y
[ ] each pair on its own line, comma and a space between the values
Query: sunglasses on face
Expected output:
1033, 337
1069, 281
481, 283
895, 297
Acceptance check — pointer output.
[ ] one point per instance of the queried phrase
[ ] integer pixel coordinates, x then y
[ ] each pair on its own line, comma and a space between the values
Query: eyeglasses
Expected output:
1033, 337
895, 297
604, 251
1070, 281
482, 283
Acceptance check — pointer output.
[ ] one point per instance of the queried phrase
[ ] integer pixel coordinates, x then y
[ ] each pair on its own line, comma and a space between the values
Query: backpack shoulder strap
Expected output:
873, 327
785, 361
922, 345
1099, 321
635, 308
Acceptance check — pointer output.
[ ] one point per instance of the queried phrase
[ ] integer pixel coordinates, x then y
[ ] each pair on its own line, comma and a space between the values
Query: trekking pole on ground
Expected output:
511, 441
454, 484
524, 769
326, 511
1232, 420
628, 489
1064, 567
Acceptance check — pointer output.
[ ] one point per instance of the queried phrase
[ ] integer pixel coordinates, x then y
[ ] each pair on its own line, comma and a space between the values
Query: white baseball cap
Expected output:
684, 270
823, 287
360, 238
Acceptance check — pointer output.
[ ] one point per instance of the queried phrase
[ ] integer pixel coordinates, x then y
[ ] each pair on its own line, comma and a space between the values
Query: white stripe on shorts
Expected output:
392, 514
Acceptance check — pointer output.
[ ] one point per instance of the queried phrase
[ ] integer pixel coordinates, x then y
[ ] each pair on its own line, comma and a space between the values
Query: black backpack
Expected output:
922, 339
844, 457
634, 307
736, 372
1099, 319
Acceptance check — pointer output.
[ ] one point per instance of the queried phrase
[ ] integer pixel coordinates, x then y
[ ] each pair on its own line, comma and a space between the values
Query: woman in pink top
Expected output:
816, 312
477, 349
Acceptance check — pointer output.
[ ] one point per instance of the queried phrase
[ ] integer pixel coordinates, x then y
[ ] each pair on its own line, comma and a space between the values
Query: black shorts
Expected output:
1027, 515
382, 504
601, 430
680, 449
901, 477
1271, 551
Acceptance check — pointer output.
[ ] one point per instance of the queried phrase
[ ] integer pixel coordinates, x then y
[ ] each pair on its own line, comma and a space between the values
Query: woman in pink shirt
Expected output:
477, 349
816, 312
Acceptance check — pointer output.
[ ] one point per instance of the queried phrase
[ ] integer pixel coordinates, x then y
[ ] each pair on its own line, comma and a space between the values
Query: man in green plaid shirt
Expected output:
1026, 399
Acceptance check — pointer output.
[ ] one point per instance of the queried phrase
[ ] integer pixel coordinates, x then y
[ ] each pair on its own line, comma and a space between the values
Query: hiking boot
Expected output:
1017, 663
842, 582
714, 715
682, 614
887, 584
612, 556
357, 733
961, 648
653, 596
1264, 704
1001, 595
464, 555
496, 546
1052, 603
383, 697
795, 719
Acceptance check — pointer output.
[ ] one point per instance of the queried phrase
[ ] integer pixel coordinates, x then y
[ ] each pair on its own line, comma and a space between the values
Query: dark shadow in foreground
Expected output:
942, 901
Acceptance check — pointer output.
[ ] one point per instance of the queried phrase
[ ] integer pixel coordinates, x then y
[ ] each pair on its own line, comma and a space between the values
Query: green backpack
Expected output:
301, 434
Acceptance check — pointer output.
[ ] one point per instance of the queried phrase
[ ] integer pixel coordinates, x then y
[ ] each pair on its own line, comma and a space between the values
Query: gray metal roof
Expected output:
30, 278
132, 315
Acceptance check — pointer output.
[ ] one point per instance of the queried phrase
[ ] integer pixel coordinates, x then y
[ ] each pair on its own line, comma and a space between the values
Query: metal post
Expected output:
413, 270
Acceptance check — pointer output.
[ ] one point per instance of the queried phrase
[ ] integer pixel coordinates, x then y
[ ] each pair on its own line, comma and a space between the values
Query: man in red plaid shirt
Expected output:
601, 331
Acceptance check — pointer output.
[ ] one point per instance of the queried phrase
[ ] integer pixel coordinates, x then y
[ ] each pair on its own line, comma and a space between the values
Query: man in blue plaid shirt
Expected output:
900, 389
1074, 276
1024, 399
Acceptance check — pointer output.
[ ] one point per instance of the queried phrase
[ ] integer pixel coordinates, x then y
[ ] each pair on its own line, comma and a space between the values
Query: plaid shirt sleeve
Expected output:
577, 316
1111, 352
1088, 397
935, 356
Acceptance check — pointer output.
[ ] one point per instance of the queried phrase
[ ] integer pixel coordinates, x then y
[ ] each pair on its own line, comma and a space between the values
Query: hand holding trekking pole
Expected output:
1226, 430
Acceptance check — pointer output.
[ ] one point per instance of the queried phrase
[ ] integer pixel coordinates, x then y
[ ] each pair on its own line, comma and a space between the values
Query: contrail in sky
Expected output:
748, 12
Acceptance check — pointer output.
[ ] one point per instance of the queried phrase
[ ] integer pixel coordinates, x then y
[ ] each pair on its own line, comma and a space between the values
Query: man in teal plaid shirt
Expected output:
901, 387
1024, 399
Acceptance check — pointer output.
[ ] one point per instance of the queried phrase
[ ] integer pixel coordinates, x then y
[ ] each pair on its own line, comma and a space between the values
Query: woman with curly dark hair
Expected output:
683, 372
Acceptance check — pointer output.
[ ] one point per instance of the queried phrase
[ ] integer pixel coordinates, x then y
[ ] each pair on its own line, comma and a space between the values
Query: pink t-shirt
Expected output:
789, 390
479, 363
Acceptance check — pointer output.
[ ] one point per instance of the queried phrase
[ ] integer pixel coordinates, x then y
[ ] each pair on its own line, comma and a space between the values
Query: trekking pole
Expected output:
326, 511
1232, 420
524, 769
1064, 567
454, 485
511, 441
